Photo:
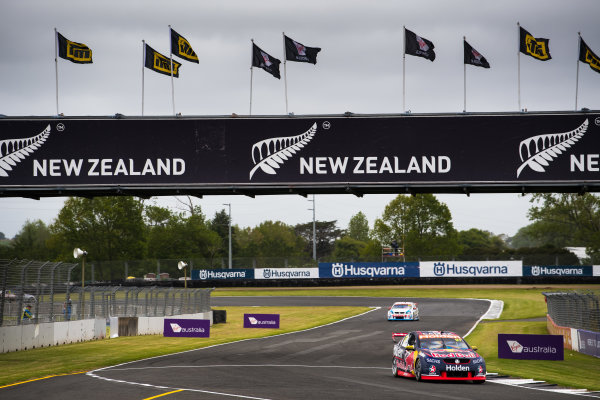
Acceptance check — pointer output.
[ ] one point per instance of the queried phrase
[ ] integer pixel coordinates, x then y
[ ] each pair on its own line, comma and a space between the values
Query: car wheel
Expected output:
395, 367
418, 370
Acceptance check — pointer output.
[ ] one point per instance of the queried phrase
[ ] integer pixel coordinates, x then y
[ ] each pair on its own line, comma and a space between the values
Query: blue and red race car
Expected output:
436, 355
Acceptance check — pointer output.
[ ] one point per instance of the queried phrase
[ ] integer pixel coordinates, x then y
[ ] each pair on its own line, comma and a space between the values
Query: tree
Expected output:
108, 228
477, 242
421, 222
326, 233
30, 242
358, 227
220, 224
270, 239
567, 219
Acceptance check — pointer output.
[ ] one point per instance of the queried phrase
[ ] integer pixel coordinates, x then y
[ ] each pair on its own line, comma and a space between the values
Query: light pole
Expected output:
229, 204
77, 252
181, 265
314, 229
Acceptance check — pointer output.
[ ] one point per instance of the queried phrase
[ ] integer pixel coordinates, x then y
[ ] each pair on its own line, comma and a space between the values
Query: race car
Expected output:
403, 310
436, 355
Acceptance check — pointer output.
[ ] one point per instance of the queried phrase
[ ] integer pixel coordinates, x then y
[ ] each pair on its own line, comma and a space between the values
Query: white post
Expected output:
519, 64
172, 85
403, 68
464, 80
251, 60
56, 65
143, 66
285, 74
230, 236
314, 229
577, 75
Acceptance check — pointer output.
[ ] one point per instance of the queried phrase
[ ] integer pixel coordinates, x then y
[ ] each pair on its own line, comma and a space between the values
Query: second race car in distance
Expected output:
403, 310
436, 355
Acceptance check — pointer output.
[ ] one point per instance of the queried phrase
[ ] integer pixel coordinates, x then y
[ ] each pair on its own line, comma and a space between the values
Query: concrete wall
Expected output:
33, 336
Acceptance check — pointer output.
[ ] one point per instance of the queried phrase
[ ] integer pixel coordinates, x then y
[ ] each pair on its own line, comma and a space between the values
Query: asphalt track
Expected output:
350, 359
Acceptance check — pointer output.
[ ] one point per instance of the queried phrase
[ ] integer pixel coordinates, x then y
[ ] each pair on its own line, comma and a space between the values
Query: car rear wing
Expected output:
396, 336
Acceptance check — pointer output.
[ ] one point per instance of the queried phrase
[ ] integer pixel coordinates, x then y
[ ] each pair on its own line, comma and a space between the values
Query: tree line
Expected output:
125, 228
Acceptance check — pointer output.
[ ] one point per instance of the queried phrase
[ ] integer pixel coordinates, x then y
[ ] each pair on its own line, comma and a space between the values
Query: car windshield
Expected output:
451, 343
401, 307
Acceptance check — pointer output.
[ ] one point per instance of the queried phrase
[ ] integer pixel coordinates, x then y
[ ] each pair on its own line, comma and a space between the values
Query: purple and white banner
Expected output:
530, 347
589, 342
186, 328
261, 321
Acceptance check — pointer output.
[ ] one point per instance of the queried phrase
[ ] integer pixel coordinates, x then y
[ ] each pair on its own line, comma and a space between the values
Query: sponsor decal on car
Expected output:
457, 367
453, 355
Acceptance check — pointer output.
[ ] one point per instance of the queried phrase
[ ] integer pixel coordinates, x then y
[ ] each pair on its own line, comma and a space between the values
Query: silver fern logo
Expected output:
13, 151
538, 151
269, 154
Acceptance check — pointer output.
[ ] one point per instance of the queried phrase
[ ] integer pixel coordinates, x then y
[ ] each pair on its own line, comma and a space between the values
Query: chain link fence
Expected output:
37, 292
579, 310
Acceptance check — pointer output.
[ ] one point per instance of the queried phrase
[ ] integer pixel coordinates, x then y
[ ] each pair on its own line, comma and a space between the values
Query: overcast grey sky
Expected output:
358, 70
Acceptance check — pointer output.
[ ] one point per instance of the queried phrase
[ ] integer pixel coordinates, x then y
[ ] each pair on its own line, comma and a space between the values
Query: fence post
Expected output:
126, 270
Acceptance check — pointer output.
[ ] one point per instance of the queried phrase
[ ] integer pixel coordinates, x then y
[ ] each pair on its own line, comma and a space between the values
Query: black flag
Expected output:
160, 63
586, 55
295, 51
534, 47
474, 57
415, 45
263, 60
182, 48
75, 52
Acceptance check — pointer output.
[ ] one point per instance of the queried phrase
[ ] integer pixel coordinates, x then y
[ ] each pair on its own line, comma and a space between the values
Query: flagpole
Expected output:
464, 80
56, 65
404, 68
172, 85
143, 65
251, 59
519, 64
577, 75
285, 74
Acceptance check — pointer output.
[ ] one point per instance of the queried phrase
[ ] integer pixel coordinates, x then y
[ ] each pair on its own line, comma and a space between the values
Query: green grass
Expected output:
72, 358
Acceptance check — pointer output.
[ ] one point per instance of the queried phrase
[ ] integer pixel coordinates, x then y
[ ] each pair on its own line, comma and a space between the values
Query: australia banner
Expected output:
328, 154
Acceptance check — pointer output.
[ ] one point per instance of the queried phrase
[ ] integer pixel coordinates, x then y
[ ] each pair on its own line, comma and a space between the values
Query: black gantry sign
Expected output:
309, 154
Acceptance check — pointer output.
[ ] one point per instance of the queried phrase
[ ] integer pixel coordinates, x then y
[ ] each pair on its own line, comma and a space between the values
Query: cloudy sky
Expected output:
358, 70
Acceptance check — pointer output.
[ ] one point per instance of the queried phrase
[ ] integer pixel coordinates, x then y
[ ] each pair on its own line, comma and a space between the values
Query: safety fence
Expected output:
38, 292
579, 310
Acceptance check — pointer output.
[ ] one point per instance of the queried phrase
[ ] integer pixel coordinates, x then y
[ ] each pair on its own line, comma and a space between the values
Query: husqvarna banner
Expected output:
369, 270
337, 154
558, 270
222, 274
286, 273
462, 269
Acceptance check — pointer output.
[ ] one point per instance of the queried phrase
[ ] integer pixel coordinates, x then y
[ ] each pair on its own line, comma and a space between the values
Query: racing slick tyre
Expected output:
418, 370
395, 368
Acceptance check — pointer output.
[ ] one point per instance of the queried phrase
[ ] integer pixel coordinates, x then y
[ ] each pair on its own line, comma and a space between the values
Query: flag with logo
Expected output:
537, 48
265, 61
587, 56
295, 51
182, 48
78, 53
473, 57
160, 63
415, 45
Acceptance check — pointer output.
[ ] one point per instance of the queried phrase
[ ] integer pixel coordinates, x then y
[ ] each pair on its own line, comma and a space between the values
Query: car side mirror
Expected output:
410, 347
474, 348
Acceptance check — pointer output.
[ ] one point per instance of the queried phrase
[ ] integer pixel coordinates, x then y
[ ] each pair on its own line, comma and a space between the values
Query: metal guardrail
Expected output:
36, 292
579, 310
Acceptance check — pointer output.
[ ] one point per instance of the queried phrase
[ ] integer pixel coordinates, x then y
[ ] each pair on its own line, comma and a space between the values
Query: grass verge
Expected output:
37, 363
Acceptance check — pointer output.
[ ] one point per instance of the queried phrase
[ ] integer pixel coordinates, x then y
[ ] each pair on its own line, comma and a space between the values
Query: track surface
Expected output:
346, 360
